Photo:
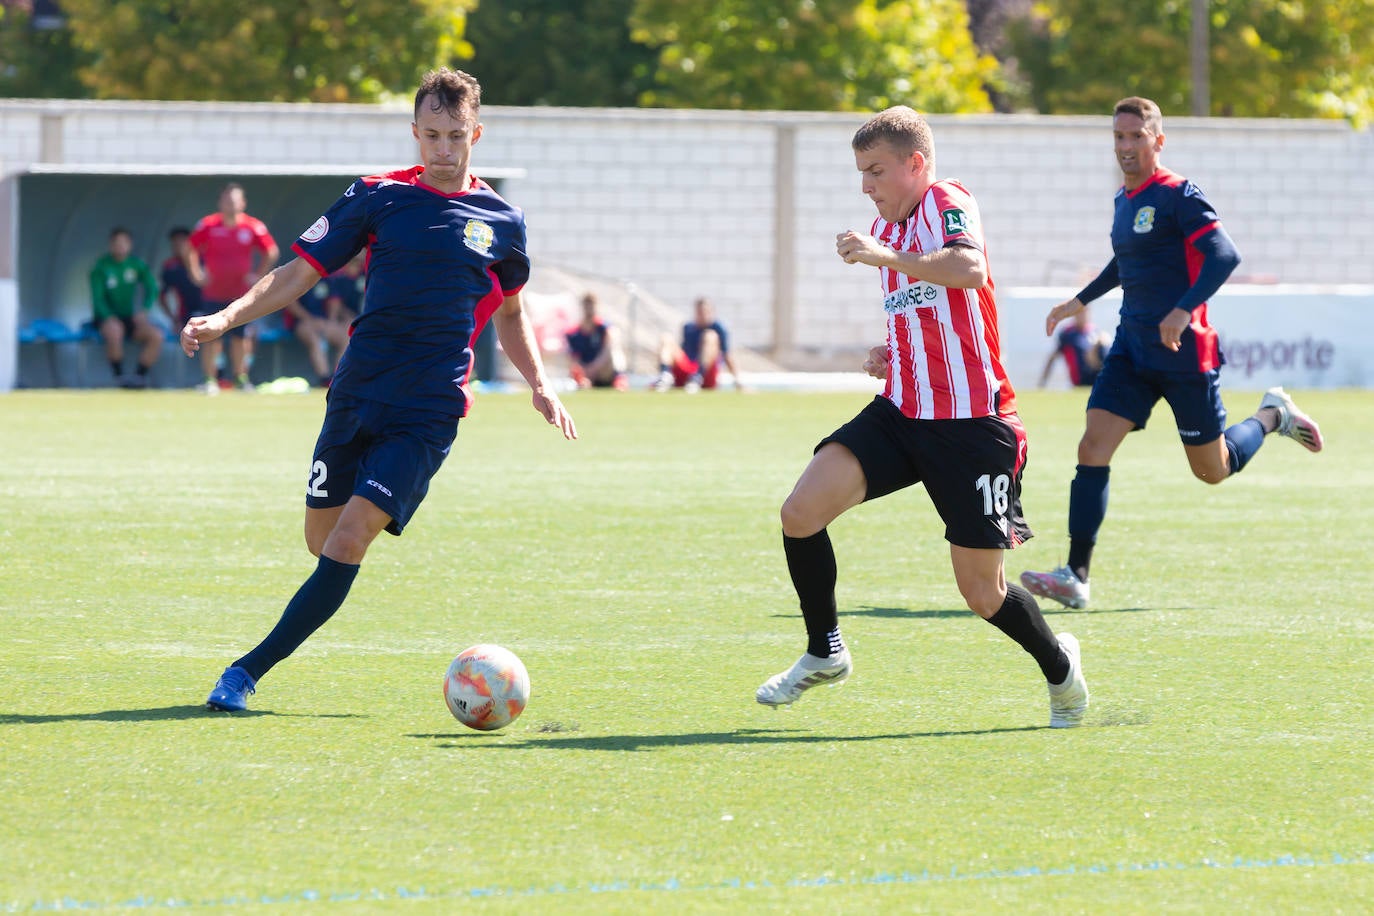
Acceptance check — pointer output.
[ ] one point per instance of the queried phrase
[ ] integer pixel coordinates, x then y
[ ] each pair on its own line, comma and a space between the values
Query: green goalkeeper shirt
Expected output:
115, 285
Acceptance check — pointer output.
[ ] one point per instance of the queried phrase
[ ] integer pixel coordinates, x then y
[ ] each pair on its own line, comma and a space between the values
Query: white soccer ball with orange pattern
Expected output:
486, 687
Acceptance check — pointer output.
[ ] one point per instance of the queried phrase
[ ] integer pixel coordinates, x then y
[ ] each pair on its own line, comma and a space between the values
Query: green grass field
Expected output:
148, 539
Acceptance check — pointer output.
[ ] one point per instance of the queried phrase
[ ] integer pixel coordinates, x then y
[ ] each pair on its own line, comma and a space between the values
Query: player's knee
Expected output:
1092, 452
798, 520
983, 598
1211, 475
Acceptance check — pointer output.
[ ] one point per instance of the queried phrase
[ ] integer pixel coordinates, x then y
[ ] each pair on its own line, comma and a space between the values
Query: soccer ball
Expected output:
486, 687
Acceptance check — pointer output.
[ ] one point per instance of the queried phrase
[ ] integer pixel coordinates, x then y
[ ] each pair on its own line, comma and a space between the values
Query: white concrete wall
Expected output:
682, 203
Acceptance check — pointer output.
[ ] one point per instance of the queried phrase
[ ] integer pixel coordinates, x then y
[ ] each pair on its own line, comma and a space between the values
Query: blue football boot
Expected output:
231, 691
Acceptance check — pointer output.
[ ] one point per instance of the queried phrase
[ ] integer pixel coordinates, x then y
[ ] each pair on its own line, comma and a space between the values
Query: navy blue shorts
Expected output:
1124, 389
383, 453
971, 468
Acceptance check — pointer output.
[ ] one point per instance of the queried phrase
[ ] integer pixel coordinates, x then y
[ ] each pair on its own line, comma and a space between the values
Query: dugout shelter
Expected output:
59, 221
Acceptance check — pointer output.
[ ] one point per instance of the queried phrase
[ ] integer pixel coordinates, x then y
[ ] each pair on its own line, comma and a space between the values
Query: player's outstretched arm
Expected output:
1057, 314
514, 331
273, 292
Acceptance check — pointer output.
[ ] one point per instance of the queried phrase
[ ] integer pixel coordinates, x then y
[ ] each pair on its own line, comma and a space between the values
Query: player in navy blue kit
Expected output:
446, 254
1171, 256
1082, 348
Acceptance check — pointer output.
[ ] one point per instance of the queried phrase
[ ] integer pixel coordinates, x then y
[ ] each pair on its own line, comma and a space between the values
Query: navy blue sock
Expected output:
1087, 509
1019, 617
1242, 441
314, 603
811, 561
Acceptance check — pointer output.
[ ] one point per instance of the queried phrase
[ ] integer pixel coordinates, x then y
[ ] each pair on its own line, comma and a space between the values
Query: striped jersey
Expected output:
944, 352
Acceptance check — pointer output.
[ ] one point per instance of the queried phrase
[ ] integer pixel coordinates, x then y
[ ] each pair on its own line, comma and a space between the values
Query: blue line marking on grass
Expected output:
925, 876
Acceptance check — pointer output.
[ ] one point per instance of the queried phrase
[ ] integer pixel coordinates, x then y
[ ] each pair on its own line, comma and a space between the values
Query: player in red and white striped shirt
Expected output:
946, 419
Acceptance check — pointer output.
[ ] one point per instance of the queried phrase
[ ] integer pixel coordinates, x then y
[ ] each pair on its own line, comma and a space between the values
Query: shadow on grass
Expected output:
155, 714
744, 736
931, 614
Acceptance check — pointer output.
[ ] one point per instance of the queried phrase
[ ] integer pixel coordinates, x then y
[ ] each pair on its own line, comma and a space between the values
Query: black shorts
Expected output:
127, 323
971, 468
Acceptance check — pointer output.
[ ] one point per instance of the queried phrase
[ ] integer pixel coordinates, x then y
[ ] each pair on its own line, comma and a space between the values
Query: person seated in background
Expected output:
180, 278
346, 287
122, 294
695, 363
316, 320
595, 357
1082, 347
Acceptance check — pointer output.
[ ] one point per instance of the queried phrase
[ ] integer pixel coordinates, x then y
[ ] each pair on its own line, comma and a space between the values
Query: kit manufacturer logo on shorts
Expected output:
956, 222
478, 236
318, 230
1144, 220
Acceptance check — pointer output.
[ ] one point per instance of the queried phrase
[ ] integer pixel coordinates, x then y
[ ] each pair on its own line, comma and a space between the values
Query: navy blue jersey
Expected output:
586, 346
177, 278
691, 339
347, 289
1154, 232
1076, 346
314, 299
439, 266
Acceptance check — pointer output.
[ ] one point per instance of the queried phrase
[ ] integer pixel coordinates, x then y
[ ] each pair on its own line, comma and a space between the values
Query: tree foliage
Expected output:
558, 52
1268, 58
823, 55
37, 63
267, 50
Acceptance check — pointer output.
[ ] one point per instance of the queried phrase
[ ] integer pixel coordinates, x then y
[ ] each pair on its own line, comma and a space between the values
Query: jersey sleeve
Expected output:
513, 270
957, 215
149, 283
262, 238
1195, 213
197, 237
100, 306
334, 238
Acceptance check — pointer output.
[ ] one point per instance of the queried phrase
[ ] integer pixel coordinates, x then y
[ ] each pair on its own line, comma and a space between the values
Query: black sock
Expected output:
117, 367
1020, 618
811, 561
143, 370
314, 603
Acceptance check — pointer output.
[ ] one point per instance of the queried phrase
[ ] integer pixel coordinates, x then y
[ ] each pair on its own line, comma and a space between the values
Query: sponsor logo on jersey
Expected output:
956, 222
1144, 220
478, 236
318, 230
918, 294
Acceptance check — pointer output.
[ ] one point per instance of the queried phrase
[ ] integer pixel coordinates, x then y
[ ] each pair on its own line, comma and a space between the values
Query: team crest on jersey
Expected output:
478, 236
1144, 220
318, 230
956, 222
